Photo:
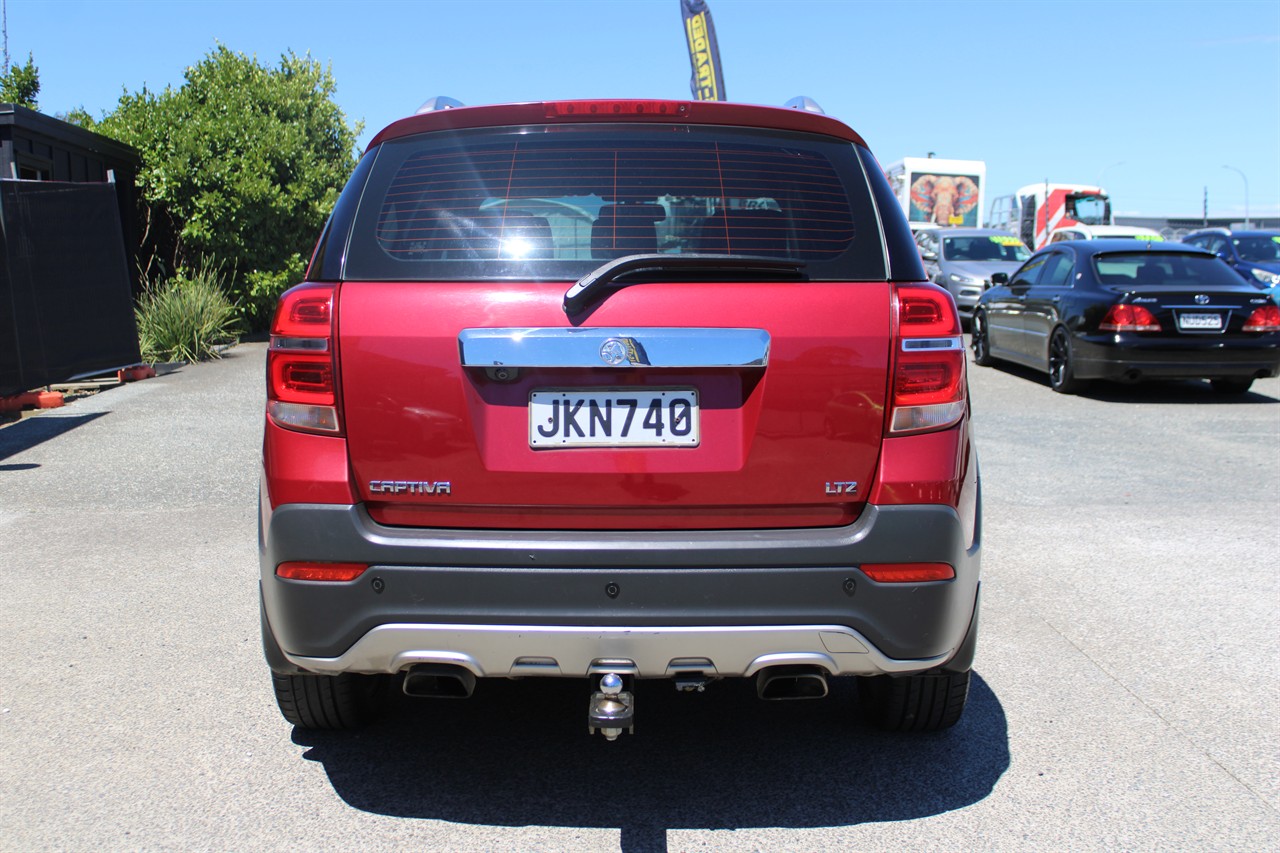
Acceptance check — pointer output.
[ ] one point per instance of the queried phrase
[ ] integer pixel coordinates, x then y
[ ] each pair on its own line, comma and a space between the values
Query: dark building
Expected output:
68, 250
37, 147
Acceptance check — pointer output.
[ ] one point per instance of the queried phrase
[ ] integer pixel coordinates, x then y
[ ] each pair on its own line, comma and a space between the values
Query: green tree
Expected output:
20, 84
240, 165
78, 116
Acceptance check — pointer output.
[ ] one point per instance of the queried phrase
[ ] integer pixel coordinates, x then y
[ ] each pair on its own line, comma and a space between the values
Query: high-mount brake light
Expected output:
560, 109
301, 386
928, 391
908, 572
1129, 318
330, 572
1264, 319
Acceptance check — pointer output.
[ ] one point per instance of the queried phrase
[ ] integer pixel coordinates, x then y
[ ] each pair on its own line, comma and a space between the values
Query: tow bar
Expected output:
612, 709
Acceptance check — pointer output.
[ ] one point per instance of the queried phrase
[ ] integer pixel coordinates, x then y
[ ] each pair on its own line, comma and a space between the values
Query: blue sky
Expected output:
1151, 98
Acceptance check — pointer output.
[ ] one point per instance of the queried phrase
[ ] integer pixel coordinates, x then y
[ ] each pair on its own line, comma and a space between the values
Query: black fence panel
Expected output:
66, 307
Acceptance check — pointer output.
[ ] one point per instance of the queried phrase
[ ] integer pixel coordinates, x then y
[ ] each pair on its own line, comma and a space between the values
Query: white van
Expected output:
1103, 232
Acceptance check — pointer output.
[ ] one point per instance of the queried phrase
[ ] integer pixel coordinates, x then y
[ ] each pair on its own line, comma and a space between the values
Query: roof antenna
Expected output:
804, 102
4, 6
439, 102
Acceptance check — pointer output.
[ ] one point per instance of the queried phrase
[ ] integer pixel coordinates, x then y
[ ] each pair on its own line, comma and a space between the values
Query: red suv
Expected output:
618, 390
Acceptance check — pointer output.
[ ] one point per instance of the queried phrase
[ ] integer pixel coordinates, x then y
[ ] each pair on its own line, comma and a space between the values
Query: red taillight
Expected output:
306, 376
908, 572
332, 572
1264, 319
928, 378
301, 389
304, 311
579, 109
923, 314
1129, 318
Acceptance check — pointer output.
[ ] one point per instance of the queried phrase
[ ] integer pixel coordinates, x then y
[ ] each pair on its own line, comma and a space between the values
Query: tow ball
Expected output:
612, 709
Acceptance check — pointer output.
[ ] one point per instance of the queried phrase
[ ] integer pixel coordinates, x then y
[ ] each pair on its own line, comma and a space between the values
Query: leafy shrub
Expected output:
242, 163
256, 297
186, 317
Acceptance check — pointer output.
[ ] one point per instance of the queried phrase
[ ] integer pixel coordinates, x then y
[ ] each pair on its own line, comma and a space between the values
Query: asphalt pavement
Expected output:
1124, 697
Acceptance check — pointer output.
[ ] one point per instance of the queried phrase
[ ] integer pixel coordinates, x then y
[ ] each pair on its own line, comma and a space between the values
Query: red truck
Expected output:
628, 391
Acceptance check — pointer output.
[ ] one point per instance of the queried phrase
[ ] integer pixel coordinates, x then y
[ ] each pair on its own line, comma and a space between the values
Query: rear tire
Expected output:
928, 702
1230, 386
981, 343
332, 702
1062, 374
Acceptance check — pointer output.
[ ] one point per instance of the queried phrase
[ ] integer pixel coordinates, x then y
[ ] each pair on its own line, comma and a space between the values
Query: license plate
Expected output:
1199, 321
614, 417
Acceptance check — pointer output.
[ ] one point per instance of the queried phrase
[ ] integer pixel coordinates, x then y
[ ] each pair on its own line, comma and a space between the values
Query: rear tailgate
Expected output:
435, 443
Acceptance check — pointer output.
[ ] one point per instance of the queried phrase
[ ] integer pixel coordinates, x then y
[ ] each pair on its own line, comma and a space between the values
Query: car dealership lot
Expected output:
1124, 692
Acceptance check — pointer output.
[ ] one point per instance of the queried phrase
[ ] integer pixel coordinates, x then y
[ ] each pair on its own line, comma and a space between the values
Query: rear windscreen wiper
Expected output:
666, 266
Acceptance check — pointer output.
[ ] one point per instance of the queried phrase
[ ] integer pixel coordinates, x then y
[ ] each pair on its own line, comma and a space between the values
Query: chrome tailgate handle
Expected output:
614, 347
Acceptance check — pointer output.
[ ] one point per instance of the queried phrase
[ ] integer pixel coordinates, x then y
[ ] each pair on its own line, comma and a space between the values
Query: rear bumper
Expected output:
1133, 358
521, 603
518, 651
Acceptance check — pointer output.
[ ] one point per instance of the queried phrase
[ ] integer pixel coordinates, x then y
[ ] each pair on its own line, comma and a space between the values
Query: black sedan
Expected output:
1129, 310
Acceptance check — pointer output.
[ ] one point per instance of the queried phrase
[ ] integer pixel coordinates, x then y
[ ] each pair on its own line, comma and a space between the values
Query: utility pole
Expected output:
1246, 192
1205, 223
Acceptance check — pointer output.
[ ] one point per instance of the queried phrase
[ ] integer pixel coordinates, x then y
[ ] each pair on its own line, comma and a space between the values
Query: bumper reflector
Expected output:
908, 572
332, 572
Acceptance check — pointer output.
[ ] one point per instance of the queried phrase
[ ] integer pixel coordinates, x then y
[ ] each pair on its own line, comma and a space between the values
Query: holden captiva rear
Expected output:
639, 392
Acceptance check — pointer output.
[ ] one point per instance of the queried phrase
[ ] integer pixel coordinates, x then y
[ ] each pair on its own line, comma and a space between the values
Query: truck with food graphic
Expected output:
937, 193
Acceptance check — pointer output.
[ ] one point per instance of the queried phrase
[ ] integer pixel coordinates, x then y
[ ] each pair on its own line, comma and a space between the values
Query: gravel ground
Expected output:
1124, 694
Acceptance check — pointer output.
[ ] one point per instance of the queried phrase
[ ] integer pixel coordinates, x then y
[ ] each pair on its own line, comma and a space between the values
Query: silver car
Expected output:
963, 259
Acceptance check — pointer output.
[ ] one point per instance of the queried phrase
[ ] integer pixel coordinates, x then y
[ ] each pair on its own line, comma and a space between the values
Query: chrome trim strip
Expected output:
506, 650
279, 342
614, 347
933, 344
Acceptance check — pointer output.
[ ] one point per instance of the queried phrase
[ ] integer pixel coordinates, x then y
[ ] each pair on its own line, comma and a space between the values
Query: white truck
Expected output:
936, 192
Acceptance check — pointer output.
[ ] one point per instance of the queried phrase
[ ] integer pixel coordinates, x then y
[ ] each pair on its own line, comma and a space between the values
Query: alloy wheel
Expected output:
981, 345
1061, 371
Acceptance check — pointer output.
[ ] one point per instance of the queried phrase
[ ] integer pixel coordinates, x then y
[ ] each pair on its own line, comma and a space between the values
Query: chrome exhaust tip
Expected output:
439, 681
791, 682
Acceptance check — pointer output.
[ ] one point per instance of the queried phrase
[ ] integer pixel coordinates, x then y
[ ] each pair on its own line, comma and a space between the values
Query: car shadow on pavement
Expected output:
29, 432
518, 754
1172, 391
1148, 391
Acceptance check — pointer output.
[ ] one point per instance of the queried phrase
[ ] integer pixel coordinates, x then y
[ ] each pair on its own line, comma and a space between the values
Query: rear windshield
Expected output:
1138, 269
1265, 249
554, 203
